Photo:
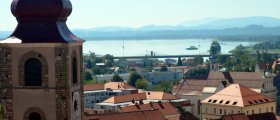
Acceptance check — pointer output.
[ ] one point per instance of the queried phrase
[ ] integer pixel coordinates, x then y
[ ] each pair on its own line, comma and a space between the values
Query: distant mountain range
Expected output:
205, 28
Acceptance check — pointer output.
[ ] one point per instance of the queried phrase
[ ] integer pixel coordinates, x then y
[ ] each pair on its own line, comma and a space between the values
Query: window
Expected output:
221, 111
221, 101
232, 112
266, 100
214, 101
271, 109
252, 111
260, 110
209, 100
250, 102
206, 109
34, 116
227, 102
266, 109
33, 72
234, 103
215, 110
225, 111
260, 100
247, 112
74, 71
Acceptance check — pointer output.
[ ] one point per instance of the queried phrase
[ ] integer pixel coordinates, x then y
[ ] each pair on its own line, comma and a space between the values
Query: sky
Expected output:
136, 13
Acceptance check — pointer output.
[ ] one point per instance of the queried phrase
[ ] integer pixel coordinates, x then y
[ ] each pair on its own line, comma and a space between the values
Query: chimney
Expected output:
137, 106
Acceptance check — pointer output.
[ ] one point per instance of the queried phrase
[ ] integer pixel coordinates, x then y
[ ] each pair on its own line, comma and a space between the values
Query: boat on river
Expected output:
192, 48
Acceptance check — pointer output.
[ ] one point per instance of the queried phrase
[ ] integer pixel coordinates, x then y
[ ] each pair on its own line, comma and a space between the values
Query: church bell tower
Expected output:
41, 64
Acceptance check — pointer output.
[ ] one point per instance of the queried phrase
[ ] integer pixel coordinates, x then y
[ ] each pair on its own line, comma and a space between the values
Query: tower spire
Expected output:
42, 21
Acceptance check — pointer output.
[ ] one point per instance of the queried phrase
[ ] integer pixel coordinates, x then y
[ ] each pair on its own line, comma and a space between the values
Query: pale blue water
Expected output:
160, 47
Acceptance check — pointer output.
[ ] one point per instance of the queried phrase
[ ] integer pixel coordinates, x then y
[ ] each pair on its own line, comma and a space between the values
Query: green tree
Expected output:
108, 60
215, 48
92, 81
87, 76
96, 70
89, 64
198, 60
133, 77
241, 61
163, 69
141, 84
117, 78
179, 63
164, 86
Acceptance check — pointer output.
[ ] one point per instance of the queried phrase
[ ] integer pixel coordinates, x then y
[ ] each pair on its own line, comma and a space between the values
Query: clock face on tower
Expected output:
76, 105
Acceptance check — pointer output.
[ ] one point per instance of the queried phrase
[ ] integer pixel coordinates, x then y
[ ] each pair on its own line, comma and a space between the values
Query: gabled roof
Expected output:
138, 115
165, 108
92, 87
252, 80
141, 96
126, 98
110, 85
237, 95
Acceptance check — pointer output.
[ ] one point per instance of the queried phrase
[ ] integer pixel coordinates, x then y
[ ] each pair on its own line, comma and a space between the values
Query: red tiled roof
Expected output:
138, 115
145, 95
248, 79
92, 87
111, 85
165, 108
126, 98
237, 95
263, 65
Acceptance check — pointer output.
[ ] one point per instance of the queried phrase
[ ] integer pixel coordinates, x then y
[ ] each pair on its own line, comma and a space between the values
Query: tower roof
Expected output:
41, 9
237, 95
41, 21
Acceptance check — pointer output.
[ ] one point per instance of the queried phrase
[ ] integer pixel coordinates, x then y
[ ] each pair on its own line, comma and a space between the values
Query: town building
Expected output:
114, 103
166, 108
236, 99
198, 89
41, 64
97, 93
138, 115
157, 77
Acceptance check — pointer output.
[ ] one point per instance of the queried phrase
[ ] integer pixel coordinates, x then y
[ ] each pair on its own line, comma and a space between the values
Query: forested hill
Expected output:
252, 32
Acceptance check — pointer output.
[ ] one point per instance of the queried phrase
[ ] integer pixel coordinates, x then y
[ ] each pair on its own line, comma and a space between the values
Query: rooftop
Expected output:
237, 95
165, 108
141, 96
138, 115
110, 85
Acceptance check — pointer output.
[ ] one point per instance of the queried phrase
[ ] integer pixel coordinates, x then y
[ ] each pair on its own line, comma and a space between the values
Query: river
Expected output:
159, 47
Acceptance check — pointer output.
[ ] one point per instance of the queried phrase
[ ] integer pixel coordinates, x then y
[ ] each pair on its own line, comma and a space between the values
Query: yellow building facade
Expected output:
236, 99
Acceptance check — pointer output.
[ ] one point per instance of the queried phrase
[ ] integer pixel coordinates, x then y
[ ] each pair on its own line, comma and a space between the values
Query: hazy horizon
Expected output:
137, 13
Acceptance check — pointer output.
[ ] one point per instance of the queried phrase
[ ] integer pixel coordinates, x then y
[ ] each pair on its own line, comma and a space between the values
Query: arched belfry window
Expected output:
33, 72
74, 71
34, 116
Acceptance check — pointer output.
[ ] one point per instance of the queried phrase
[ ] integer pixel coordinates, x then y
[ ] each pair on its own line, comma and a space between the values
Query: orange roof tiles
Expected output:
237, 95
165, 108
139, 115
92, 87
248, 79
141, 96
126, 98
111, 85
